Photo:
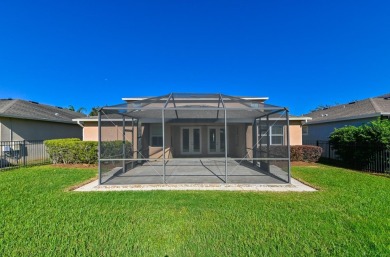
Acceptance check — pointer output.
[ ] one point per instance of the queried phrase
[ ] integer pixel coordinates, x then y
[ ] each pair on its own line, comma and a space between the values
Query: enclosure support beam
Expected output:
139, 140
220, 100
288, 146
174, 105
163, 134
132, 141
268, 142
100, 144
123, 144
254, 141
226, 150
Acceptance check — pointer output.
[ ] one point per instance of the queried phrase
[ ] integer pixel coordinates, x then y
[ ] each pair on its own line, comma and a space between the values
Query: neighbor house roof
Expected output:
21, 109
367, 108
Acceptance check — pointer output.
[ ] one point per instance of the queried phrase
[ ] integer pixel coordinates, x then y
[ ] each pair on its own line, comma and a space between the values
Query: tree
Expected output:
94, 111
79, 110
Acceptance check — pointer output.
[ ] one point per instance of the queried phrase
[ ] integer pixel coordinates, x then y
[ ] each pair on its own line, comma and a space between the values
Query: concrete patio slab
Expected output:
295, 186
195, 172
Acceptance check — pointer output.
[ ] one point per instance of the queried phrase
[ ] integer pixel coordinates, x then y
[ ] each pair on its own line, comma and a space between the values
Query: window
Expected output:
276, 135
156, 138
305, 130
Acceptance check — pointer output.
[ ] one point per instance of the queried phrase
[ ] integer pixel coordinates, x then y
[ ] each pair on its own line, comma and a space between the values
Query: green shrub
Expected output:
305, 153
114, 149
357, 145
72, 150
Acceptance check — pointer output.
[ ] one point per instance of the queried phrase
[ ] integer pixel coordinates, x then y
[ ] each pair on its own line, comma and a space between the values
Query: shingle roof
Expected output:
369, 107
16, 108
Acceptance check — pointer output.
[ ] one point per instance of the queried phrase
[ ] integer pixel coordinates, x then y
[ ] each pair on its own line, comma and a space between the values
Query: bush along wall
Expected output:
72, 151
305, 153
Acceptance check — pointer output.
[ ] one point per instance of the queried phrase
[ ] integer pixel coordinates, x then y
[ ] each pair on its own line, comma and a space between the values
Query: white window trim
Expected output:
307, 130
279, 135
259, 136
154, 135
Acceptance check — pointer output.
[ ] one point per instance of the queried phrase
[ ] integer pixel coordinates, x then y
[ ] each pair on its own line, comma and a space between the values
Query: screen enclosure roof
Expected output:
194, 106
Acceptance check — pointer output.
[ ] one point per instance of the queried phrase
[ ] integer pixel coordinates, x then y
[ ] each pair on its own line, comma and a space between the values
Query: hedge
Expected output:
305, 153
72, 150
114, 149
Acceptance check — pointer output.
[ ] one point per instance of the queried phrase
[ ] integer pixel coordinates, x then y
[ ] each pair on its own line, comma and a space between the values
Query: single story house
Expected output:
113, 125
215, 131
324, 122
27, 120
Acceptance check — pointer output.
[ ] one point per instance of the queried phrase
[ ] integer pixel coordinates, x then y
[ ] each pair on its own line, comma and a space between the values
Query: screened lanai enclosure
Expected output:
194, 138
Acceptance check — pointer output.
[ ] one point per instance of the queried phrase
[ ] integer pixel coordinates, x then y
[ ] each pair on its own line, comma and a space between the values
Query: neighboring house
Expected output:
28, 120
355, 113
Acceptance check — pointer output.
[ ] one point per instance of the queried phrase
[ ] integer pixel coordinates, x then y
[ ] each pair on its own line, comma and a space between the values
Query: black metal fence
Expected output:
22, 153
371, 158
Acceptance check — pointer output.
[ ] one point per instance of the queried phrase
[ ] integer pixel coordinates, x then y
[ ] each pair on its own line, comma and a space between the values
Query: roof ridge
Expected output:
8, 105
376, 107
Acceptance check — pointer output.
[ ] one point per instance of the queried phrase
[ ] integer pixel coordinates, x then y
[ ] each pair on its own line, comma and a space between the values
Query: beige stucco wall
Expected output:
239, 138
295, 133
110, 132
12, 129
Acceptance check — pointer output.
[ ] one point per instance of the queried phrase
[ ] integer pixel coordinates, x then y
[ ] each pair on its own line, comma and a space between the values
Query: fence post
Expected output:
328, 149
24, 152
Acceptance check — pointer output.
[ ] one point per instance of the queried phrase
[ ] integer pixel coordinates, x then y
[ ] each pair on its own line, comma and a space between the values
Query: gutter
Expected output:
37, 119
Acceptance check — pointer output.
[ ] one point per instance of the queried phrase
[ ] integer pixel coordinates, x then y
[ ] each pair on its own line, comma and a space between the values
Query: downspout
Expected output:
81, 125
10, 130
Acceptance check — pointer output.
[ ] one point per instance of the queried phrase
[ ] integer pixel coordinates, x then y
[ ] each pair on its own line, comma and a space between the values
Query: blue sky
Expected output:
300, 54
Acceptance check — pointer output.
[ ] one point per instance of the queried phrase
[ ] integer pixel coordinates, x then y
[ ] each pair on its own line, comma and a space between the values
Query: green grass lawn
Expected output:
349, 216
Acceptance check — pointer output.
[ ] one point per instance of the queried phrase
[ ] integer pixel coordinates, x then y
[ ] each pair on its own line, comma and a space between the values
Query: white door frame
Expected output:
191, 143
217, 142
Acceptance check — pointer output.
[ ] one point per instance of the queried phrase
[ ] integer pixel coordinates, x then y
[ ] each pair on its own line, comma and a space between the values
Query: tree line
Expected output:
92, 112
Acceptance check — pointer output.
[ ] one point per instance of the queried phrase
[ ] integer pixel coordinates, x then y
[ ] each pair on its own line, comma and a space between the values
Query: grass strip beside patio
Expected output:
349, 216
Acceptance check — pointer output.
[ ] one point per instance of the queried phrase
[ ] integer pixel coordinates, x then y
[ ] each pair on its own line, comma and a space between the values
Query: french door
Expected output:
190, 140
216, 140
